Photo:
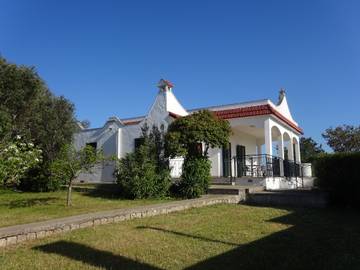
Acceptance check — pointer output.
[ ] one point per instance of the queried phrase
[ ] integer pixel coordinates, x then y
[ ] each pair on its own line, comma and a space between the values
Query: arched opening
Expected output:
296, 150
277, 150
288, 148
276, 141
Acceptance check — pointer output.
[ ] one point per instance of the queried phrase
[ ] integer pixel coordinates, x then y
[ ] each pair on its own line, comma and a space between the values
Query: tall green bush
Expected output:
145, 173
196, 177
339, 174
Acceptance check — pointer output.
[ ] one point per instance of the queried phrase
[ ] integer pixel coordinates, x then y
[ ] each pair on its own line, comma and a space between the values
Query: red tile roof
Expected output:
248, 111
168, 83
174, 115
255, 111
132, 123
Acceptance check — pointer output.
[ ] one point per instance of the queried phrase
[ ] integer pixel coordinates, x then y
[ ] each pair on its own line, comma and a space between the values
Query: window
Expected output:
226, 158
139, 142
93, 145
196, 149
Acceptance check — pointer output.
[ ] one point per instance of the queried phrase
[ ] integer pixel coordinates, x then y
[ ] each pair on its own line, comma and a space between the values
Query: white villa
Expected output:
264, 145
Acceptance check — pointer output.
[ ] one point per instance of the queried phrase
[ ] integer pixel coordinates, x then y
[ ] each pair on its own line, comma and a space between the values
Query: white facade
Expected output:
259, 127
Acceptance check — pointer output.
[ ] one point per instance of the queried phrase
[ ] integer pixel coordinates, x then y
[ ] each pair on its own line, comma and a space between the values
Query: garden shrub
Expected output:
17, 157
145, 172
37, 181
339, 174
196, 177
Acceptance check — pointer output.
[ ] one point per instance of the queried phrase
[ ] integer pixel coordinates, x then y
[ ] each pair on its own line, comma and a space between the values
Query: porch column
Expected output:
258, 149
268, 138
281, 154
118, 143
297, 152
291, 150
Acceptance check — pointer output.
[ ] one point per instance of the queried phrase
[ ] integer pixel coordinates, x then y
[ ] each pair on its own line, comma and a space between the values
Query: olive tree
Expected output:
71, 162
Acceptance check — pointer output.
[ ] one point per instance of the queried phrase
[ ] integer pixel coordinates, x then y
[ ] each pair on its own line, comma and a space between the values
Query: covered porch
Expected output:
259, 147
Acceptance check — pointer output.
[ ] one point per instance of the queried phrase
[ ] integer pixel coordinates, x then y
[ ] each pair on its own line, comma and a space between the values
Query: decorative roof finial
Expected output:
281, 95
165, 85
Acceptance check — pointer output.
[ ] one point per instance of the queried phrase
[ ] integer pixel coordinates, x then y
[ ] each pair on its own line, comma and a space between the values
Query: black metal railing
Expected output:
261, 166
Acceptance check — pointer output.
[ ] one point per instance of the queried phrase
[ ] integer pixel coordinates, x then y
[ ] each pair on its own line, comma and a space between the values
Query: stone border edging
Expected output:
20, 233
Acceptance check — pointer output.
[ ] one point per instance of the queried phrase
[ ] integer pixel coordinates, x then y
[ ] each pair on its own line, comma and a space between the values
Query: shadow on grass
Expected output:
31, 202
105, 191
92, 256
317, 239
188, 235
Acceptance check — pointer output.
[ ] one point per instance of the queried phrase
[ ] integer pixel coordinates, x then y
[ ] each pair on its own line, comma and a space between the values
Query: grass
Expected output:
26, 207
216, 237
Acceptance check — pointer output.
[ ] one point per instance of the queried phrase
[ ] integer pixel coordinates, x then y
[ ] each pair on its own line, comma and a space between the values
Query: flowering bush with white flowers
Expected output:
16, 158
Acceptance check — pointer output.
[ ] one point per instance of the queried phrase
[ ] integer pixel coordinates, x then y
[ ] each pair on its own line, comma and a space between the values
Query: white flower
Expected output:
18, 137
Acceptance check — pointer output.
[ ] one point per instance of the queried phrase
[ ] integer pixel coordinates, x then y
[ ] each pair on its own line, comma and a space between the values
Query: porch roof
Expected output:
266, 109
248, 109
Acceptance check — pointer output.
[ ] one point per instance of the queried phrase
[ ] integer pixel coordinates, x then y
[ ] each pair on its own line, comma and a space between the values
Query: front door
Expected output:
240, 160
226, 157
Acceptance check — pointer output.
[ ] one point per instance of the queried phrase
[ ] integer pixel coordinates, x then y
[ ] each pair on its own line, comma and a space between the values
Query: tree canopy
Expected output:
28, 109
184, 138
309, 149
199, 127
345, 138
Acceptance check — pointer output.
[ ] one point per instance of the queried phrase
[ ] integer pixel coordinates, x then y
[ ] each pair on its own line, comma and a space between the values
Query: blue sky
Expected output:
107, 56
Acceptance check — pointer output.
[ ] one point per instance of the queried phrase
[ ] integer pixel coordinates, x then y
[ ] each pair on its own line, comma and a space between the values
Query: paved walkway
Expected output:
24, 232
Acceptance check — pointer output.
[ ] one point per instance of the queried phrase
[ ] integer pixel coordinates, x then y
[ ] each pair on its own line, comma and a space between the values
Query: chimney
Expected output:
165, 85
281, 96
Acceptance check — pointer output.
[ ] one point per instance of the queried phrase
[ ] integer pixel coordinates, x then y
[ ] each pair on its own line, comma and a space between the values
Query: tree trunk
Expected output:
68, 199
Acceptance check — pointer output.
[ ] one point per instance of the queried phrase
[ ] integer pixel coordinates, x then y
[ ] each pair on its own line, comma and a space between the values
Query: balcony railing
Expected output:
262, 166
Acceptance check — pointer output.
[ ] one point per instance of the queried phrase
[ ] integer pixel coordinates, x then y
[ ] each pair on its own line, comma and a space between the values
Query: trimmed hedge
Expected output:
339, 174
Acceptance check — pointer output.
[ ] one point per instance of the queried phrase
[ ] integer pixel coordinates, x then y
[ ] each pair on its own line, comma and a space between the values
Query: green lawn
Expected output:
26, 207
216, 237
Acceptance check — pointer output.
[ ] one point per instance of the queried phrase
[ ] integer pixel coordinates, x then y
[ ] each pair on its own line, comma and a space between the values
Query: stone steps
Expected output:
241, 181
234, 189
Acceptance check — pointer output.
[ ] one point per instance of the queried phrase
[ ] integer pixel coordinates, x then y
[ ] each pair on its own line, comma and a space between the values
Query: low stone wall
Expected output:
20, 233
